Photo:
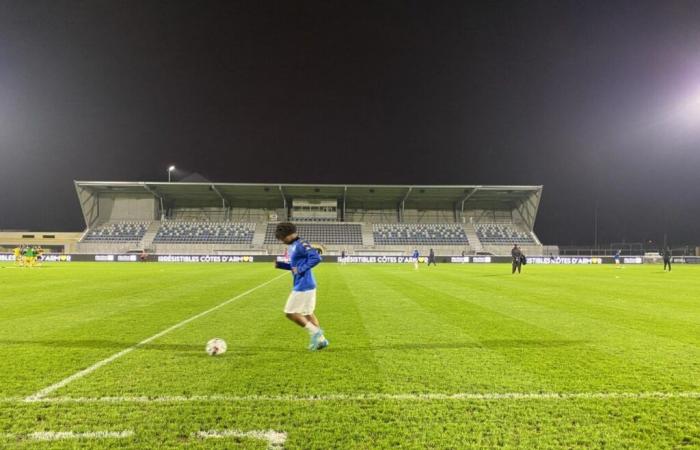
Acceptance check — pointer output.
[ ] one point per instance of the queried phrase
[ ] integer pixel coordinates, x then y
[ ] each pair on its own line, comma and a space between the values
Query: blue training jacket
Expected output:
304, 257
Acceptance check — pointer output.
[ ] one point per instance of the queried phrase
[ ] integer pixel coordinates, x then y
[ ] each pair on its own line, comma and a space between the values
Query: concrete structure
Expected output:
233, 218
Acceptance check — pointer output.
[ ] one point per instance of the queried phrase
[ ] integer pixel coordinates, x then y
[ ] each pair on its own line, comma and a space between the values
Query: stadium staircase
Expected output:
474, 241
259, 236
151, 231
367, 235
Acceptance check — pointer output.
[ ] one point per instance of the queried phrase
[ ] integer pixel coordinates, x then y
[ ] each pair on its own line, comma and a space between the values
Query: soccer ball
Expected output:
216, 346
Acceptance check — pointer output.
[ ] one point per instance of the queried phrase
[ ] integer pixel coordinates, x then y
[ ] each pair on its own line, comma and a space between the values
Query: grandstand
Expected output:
419, 234
323, 233
233, 218
503, 234
204, 233
117, 232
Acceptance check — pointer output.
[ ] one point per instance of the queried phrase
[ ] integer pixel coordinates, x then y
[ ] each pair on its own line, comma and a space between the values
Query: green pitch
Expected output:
454, 356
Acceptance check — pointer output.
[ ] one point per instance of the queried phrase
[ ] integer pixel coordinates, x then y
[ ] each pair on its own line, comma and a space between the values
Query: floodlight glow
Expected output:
171, 168
678, 124
686, 113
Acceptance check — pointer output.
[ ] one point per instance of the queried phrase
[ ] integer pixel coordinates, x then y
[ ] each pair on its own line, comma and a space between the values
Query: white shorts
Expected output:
301, 302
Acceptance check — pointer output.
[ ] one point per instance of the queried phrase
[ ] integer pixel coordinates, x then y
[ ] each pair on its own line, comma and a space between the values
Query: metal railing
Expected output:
627, 249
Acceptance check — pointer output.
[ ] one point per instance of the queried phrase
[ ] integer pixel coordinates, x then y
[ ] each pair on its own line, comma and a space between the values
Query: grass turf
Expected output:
393, 331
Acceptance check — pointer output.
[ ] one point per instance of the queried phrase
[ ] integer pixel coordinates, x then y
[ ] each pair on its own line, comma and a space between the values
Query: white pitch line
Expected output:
46, 391
274, 439
69, 435
432, 396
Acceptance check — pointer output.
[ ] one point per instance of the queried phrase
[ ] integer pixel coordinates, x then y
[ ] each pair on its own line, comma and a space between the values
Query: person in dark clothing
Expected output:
431, 258
667, 254
517, 258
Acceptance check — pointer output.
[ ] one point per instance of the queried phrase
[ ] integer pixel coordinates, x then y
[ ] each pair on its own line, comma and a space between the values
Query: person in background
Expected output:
517, 255
617, 257
431, 258
29, 256
667, 254
17, 251
415, 259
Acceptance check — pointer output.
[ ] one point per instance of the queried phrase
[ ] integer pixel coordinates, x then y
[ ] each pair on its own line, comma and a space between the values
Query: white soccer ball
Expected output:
216, 346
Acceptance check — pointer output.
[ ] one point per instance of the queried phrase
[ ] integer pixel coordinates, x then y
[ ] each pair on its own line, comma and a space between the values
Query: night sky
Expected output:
599, 101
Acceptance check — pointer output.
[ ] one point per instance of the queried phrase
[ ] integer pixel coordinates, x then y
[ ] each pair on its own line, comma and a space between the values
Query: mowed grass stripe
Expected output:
627, 330
176, 362
420, 350
67, 342
84, 372
631, 288
575, 301
650, 309
365, 396
637, 357
267, 353
559, 362
268, 381
385, 424
341, 311
114, 290
521, 356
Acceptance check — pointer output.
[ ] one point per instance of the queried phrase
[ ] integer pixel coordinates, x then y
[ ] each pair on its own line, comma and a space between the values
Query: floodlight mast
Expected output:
170, 170
595, 222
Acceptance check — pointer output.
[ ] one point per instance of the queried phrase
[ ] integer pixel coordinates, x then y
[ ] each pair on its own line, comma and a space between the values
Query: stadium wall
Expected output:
127, 208
60, 242
376, 259
262, 204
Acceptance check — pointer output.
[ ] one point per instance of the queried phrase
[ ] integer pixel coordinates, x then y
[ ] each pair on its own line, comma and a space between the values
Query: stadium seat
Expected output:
502, 234
117, 232
175, 232
419, 234
322, 233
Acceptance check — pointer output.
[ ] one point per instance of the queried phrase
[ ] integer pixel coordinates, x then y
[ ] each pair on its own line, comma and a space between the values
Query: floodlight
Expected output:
170, 170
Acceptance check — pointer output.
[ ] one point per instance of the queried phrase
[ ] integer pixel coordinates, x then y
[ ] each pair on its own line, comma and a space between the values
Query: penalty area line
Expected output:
434, 396
48, 390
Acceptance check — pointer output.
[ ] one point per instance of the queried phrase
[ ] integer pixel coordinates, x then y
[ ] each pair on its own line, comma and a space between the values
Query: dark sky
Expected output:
599, 101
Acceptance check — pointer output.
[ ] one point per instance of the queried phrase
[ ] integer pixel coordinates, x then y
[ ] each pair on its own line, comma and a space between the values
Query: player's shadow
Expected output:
104, 344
